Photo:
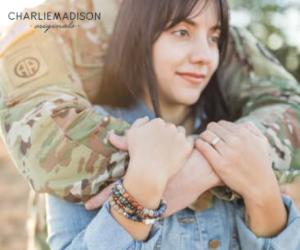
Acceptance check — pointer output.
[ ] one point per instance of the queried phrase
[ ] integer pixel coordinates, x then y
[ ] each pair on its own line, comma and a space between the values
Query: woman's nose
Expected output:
201, 52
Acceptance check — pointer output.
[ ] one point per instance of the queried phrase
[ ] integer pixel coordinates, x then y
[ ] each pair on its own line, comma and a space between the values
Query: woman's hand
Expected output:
241, 159
157, 150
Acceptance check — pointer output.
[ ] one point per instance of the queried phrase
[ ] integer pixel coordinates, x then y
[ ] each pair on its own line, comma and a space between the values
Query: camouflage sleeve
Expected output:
257, 88
54, 137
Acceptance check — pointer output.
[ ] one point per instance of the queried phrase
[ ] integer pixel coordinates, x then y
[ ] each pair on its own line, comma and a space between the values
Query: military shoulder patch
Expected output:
16, 34
25, 64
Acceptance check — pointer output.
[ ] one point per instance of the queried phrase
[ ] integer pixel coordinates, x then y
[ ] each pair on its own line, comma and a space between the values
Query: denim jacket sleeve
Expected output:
72, 227
289, 238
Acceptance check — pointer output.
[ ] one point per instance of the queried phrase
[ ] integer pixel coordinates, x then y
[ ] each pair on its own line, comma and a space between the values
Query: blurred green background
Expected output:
276, 24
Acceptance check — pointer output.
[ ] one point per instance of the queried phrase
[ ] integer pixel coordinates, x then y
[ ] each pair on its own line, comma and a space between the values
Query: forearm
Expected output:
54, 137
147, 195
192, 193
288, 238
266, 216
185, 188
60, 145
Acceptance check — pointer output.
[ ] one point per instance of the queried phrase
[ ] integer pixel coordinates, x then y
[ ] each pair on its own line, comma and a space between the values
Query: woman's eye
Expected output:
181, 33
215, 39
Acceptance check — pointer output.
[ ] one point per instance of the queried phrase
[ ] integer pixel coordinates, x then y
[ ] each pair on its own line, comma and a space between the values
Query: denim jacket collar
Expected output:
138, 110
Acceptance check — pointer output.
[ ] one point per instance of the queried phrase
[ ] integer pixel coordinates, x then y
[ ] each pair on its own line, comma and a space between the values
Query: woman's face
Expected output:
186, 56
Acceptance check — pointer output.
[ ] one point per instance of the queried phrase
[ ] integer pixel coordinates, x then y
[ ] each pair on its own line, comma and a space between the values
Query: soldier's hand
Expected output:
120, 142
98, 200
189, 183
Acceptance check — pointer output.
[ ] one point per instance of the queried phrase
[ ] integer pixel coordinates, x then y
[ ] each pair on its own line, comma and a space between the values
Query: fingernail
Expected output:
284, 189
199, 141
115, 136
198, 144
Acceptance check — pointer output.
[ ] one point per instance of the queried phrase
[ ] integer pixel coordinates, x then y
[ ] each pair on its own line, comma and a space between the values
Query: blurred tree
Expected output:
276, 24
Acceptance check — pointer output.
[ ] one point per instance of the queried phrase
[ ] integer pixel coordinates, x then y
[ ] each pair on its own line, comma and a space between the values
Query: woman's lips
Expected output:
192, 78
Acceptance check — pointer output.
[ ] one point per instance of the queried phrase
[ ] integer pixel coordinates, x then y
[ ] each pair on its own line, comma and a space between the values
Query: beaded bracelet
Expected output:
132, 216
124, 204
141, 210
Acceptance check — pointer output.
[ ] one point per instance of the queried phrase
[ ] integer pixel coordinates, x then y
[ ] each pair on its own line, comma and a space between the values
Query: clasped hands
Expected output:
238, 159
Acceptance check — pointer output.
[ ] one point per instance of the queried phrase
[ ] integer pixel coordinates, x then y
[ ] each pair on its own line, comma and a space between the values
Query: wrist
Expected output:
150, 178
144, 189
262, 197
206, 181
266, 217
263, 205
214, 181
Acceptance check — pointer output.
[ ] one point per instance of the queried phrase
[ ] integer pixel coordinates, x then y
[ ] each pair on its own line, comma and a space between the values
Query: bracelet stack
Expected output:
123, 203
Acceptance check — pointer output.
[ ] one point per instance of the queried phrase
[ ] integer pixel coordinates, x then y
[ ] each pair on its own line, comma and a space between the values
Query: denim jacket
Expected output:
221, 227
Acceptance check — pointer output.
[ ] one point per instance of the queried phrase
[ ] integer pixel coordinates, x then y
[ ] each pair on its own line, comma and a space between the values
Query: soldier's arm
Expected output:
257, 88
54, 137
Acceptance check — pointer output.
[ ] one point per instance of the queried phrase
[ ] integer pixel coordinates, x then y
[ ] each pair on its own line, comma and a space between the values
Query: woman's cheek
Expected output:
215, 60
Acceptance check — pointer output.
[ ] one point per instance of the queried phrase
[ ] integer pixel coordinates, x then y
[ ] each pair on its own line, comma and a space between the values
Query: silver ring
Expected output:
215, 141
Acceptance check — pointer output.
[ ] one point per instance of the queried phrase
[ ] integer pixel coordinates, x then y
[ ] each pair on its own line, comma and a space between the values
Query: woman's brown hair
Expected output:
129, 64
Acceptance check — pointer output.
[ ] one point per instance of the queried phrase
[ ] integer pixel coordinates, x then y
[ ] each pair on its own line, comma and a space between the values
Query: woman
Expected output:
168, 52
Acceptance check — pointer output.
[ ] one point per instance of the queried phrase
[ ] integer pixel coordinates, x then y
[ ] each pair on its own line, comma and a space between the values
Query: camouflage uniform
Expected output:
48, 82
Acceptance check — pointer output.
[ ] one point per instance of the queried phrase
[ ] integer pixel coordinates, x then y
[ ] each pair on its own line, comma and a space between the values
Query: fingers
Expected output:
119, 142
181, 129
146, 119
252, 128
98, 200
228, 125
190, 139
227, 130
219, 131
140, 121
209, 152
248, 125
285, 189
208, 136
